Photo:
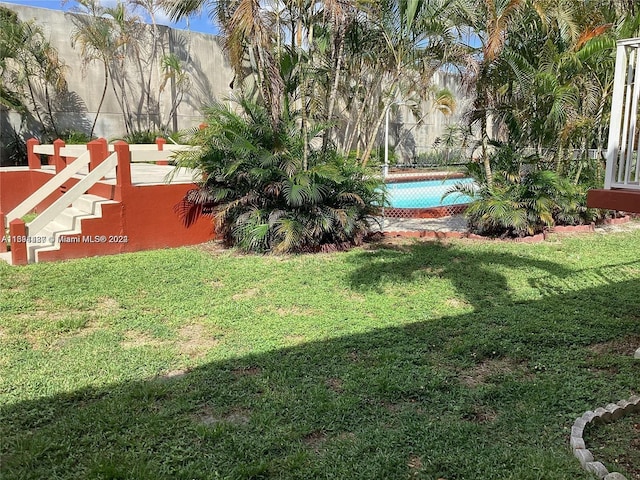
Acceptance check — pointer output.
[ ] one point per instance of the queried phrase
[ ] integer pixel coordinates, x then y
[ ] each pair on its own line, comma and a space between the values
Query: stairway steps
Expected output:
70, 217
69, 222
91, 204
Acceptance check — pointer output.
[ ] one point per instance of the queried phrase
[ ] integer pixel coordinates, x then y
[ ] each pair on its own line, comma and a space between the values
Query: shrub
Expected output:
13, 150
75, 137
262, 197
142, 136
524, 203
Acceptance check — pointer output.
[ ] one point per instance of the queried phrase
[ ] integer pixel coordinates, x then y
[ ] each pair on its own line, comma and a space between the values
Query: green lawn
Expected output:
461, 360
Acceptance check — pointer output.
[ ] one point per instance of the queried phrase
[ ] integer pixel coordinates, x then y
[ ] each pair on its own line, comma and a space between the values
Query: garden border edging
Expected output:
610, 413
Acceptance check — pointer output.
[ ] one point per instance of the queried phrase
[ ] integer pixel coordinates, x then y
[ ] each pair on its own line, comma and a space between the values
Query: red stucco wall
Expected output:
144, 219
16, 184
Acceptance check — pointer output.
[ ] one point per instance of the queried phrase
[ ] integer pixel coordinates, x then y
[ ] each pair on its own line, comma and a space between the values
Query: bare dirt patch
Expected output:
481, 414
215, 284
106, 306
214, 247
415, 465
137, 339
334, 384
410, 404
175, 374
246, 371
481, 373
52, 315
295, 310
619, 346
344, 436
436, 272
195, 340
315, 440
354, 356
249, 293
235, 417
456, 303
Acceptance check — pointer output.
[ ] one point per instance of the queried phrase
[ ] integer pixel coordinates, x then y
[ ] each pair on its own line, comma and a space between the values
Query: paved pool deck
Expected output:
454, 223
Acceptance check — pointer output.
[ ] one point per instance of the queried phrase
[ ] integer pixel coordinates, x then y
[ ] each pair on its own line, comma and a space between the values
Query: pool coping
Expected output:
421, 177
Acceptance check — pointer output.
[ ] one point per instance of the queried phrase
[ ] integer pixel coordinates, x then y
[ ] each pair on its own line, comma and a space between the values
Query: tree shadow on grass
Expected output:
474, 273
393, 403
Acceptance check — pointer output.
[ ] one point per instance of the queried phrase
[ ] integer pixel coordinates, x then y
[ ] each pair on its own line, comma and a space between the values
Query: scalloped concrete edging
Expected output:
610, 413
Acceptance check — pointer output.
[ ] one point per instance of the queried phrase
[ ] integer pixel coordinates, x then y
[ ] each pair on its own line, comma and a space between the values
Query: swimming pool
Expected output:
426, 194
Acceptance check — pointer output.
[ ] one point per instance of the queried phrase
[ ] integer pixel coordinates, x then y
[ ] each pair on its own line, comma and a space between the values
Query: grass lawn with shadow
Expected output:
456, 360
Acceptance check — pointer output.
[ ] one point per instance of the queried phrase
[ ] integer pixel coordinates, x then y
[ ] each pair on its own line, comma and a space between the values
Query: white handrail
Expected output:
46, 149
72, 195
48, 188
150, 155
73, 150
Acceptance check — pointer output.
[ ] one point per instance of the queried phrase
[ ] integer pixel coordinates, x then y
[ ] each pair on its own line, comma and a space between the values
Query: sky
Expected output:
200, 23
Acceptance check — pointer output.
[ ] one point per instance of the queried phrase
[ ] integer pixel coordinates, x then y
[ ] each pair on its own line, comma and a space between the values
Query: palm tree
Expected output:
262, 197
11, 42
111, 35
93, 35
31, 72
335, 59
543, 83
394, 53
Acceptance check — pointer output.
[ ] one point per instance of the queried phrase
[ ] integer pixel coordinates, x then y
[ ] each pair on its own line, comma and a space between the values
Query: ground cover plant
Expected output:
459, 360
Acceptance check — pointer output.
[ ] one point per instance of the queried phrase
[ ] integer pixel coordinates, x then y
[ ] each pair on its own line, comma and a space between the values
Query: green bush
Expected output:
75, 137
524, 199
13, 150
439, 158
262, 197
142, 136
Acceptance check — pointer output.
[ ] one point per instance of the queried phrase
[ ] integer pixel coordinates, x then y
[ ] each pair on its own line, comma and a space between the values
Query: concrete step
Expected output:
91, 204
69, 222
70, 217
6, 257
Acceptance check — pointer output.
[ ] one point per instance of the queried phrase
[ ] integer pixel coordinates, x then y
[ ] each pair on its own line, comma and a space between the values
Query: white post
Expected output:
613, 145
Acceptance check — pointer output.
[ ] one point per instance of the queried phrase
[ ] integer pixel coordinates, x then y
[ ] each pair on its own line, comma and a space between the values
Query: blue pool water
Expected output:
425, 194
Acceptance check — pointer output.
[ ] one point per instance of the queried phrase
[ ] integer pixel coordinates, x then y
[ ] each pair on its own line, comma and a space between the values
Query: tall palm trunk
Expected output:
334, 89
305, 120
102, 97
35, 104
373, 136
47, 96
486, 161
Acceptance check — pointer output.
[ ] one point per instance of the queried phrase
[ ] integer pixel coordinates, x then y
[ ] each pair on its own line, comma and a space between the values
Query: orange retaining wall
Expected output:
16, 184
144, 220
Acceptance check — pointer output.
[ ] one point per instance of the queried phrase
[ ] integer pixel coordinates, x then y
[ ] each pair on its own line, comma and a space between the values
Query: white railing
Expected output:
44, 149
72, 195
138, 153
623, 153
48, 188
150, 153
